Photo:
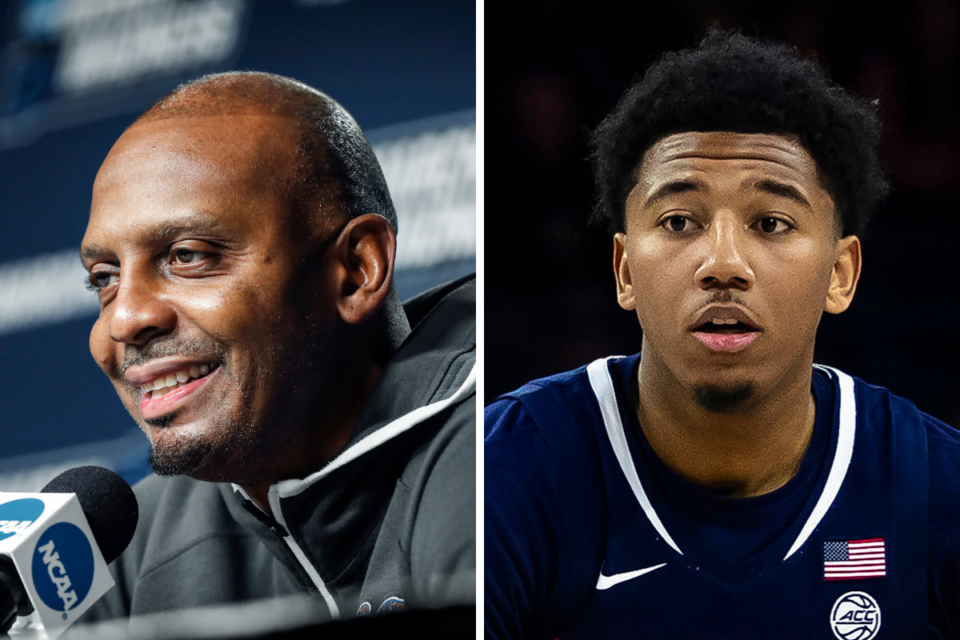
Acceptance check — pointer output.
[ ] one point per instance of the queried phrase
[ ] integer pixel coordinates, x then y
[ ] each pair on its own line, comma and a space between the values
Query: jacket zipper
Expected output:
278, 526
265, 518
274, 498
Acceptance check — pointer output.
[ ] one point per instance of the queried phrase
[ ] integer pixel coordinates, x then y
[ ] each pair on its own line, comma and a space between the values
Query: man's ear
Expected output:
844, 276
621, 270
364, 252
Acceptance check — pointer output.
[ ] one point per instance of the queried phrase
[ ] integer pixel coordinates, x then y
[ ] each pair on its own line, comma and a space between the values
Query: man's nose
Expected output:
139, 314
725, 264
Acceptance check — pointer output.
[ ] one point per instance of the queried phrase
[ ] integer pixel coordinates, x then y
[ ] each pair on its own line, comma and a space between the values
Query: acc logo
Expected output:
63, 567
16, 516
855, 616
391, 604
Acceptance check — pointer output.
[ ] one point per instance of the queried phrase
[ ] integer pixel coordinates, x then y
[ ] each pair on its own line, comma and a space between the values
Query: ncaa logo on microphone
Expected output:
16, 516
63, 567
855, 616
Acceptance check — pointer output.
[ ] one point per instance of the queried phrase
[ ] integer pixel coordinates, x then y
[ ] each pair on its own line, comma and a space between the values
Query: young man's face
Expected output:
730, 256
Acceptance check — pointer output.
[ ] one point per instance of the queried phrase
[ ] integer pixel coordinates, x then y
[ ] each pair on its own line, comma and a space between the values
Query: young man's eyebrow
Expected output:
672, 188
782, 190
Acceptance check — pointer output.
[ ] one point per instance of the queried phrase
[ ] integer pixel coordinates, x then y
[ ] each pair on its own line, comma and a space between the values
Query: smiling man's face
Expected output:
731, 255
215, 313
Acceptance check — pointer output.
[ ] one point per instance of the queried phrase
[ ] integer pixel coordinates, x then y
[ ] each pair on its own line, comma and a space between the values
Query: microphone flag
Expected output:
47, 537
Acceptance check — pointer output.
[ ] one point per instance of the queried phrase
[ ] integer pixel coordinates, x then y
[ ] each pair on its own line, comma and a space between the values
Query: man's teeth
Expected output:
724, 321
164, 385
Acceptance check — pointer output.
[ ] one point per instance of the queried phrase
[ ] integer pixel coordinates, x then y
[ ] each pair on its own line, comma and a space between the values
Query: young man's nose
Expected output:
725, 263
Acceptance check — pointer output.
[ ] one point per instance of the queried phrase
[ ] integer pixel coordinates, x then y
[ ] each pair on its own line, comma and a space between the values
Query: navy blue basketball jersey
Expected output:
585, 536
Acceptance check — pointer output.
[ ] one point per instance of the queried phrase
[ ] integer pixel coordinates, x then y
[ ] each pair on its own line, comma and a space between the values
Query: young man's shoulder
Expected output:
544, 505
564, 384
883, 406
942, 453
549, 422
557, 406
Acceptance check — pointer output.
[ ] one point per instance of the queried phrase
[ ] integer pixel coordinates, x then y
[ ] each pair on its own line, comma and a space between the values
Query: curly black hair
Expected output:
735, 83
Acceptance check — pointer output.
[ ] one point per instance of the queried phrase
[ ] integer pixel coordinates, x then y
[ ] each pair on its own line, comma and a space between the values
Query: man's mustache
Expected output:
725, 296
190, 348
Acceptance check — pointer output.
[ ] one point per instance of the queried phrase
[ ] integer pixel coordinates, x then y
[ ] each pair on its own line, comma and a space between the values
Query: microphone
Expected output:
55, 545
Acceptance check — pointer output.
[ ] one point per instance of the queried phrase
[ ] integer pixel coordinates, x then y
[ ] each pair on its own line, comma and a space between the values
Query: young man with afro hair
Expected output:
720, 484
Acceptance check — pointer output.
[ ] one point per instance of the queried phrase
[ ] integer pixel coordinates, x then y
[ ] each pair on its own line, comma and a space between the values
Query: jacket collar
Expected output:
432, 363
432, 369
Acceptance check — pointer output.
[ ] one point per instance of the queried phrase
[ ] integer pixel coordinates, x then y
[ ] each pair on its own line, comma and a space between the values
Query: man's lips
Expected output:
155, 407
725, 328
139, 376
719, 315
728, 342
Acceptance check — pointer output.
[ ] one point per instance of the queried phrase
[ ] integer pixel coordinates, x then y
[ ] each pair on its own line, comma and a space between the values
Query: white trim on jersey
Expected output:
602, 385
841, 459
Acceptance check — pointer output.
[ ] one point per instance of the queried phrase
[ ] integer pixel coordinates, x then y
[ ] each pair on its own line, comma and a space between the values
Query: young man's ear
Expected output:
364, 255
844, 276
621, 271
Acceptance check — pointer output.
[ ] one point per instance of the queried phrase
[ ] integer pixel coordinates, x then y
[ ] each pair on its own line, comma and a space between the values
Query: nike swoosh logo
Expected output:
605, 582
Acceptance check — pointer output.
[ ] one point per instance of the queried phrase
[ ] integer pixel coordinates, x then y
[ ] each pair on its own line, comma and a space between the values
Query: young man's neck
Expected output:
742, 451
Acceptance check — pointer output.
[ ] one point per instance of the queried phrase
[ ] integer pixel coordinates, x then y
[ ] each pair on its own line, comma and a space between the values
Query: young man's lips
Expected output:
156, 407
726, 342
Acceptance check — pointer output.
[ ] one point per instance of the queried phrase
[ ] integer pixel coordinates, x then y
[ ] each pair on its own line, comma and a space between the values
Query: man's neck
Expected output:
331, 417
740, 452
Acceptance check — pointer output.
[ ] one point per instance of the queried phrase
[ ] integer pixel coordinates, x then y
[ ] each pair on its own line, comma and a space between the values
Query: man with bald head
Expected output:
316, 433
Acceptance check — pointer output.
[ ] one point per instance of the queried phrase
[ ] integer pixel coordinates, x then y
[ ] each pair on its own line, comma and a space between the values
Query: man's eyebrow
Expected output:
194, 222
92, 252
672, 188
781, 189
200, 222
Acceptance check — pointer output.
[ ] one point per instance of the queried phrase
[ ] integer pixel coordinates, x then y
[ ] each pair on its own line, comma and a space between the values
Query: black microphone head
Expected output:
107, 501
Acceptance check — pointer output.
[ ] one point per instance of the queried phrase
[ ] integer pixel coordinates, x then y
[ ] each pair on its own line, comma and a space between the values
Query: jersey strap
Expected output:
841, 458
602, 385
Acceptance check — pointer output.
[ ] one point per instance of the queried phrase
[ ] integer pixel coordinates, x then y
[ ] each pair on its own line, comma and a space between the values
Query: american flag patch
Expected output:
854, 559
